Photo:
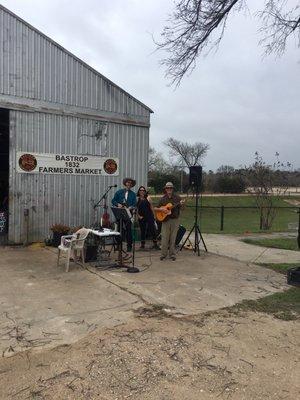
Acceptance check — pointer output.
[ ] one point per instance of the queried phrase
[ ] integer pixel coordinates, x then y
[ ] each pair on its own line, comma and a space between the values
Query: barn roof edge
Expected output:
73, 55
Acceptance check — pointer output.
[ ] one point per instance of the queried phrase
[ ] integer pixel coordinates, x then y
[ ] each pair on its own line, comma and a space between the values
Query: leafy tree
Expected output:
228, 180
157, 180
226, 170
197, 26
209, 179
161, 171
229, 184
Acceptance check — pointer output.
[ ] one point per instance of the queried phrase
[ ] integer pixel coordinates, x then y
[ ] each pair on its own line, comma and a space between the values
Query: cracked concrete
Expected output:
43, 306
232, 246
193, 285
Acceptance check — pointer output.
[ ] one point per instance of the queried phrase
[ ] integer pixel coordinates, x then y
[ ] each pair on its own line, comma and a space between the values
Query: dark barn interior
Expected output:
4, 169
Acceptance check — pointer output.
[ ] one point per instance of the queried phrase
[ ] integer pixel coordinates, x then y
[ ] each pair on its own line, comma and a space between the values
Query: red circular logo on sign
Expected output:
110, 166
27, 162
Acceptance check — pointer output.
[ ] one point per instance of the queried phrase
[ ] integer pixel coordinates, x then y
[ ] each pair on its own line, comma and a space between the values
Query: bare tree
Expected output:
156, 161
197, 26
267, 183
187, 154
278, 25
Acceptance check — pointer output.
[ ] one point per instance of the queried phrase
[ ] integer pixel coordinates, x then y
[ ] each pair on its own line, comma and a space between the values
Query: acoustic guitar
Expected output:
161, 215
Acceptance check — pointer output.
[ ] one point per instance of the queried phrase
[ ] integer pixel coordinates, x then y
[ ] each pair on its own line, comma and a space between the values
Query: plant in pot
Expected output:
59, 230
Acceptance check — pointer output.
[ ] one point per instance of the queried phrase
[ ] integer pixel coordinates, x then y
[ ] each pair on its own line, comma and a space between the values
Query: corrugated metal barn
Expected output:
57, 111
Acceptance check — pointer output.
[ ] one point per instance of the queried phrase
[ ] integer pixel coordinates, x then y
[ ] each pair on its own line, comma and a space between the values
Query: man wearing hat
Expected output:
126, 198
170, 224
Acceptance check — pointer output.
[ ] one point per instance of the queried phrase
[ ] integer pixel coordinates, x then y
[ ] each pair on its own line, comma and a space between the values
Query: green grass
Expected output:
281, 268
277, 243
284, 305
236, 221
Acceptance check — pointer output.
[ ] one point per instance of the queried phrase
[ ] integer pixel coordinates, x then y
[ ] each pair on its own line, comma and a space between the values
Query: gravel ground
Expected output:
221, 355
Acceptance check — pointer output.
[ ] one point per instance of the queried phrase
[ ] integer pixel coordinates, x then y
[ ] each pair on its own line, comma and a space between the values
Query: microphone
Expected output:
111, 186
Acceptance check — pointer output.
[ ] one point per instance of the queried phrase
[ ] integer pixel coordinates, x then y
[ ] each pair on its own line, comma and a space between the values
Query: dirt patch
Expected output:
241, 356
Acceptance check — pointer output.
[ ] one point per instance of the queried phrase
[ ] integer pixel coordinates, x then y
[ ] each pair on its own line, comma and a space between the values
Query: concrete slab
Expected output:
193, 284
232, 246
43, 306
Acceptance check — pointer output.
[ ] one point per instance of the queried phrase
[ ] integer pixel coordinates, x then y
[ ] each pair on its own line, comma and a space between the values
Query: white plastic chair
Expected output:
71, 244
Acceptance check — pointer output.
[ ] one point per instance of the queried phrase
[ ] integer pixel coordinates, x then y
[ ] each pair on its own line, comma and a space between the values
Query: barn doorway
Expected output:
4, 174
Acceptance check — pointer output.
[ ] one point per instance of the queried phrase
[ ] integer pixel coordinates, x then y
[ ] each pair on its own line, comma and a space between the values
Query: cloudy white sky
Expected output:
234, 100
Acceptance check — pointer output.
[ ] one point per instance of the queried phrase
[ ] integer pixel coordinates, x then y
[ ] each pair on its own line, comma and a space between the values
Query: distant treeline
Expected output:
226, 179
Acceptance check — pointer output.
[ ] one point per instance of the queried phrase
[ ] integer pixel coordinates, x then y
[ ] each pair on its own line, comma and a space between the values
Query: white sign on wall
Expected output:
38, 163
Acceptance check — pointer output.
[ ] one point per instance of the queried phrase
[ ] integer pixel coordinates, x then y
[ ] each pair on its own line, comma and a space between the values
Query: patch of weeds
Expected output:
281, 268
153, 311
283, 305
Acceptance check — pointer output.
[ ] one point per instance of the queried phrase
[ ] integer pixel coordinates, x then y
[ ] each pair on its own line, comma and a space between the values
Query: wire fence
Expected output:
240, 219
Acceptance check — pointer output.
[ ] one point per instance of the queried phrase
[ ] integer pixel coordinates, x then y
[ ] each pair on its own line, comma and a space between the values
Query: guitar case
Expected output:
180, 233
293, 276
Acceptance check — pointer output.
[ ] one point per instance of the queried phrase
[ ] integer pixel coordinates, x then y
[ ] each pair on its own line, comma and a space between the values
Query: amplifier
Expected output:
180, 233
293, 276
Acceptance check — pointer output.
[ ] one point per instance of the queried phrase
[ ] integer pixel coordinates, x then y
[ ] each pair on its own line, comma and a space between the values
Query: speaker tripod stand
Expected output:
196, 230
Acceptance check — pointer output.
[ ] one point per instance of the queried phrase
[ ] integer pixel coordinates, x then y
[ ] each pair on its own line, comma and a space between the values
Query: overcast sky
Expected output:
234, 100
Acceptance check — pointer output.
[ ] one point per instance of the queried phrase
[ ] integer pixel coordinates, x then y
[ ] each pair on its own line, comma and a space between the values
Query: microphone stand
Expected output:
133, 269
104, 196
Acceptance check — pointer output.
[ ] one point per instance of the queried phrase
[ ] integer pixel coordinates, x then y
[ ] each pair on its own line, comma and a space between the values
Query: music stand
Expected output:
121, 215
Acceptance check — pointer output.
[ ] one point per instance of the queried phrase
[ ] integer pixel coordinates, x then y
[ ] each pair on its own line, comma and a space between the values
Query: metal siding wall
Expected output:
32, 66
62, 198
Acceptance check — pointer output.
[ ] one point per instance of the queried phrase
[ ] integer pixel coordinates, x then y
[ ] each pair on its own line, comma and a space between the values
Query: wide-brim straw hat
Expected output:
133, 182
169, 184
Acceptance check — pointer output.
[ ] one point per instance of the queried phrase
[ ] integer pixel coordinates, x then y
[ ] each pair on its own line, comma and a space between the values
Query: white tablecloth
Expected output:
105, 233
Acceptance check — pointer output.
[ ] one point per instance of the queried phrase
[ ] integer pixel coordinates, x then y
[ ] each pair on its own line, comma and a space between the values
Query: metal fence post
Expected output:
298, 238
222, 218
261, 219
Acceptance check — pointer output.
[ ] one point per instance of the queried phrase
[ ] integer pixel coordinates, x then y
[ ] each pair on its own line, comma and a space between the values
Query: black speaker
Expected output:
196, 176
293, 276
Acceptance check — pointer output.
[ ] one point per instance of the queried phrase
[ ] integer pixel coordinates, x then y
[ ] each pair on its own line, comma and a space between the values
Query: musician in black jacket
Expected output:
146, 218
